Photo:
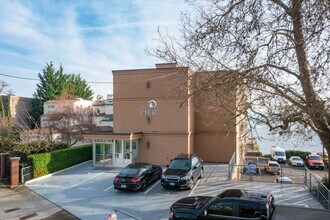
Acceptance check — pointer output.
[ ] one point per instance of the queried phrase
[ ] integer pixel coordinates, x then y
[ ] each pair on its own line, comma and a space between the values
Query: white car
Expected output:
296, 161
284, 180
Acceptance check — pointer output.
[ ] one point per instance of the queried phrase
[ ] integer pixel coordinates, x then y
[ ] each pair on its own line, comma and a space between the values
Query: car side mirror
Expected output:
194, 167
167, 166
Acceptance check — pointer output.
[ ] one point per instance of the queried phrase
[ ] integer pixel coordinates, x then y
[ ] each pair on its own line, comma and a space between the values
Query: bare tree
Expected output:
69, 123
279, 49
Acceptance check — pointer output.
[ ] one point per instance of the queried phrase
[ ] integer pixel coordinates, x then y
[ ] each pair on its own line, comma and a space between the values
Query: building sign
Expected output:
151, 110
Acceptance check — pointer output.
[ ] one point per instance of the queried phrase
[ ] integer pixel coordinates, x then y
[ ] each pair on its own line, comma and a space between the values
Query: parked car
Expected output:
183, 171
284, 180
251, 167
314, 161
137, 176
278, 154
231, 204
296, 161
273, 167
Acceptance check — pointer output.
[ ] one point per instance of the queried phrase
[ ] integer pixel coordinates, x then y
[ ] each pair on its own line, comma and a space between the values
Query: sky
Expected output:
90, 38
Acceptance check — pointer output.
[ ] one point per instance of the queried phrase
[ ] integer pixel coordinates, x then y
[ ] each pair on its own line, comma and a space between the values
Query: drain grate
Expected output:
28, 216
11, 210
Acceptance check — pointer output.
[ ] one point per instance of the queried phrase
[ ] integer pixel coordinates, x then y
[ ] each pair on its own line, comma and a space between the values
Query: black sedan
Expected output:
231, 204
137, 176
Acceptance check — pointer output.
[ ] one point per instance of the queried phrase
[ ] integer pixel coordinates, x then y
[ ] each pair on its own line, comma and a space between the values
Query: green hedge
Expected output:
299, 153
45, 163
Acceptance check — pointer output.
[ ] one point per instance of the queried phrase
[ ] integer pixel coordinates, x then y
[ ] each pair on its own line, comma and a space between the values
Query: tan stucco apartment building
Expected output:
153, 121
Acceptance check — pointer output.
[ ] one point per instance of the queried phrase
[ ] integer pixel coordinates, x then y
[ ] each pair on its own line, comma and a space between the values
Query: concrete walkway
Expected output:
24, 204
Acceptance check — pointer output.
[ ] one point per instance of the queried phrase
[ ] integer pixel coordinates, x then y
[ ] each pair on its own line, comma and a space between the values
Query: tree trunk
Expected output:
314, 106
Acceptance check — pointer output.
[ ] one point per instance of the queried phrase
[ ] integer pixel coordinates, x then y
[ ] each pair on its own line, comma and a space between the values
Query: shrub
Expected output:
22, 150
45, 163
268, 156
299, 153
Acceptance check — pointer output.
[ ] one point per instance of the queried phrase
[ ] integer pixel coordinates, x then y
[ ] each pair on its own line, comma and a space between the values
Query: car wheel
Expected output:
201, 175
144, 186
191, 183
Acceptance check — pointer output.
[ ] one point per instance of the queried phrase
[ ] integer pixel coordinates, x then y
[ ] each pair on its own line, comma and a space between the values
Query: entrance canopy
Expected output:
101, 135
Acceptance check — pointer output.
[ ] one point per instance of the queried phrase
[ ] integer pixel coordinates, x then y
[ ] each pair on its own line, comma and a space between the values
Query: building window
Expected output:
51, 106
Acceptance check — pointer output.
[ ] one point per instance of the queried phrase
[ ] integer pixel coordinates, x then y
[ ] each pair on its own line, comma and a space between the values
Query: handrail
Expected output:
125, 213
317, 188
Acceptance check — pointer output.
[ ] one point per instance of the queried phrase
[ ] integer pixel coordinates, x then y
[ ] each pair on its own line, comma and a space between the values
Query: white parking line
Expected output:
293, 197
305, 200
152, 187
108, 188
192, 191
86, 180
286, 193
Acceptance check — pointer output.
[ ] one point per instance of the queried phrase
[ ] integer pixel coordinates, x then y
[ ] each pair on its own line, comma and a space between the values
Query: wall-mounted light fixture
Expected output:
148, 144
148, 120
148, 84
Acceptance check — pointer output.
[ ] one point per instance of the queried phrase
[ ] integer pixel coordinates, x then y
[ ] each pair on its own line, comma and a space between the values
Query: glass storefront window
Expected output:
127, 151
135, 149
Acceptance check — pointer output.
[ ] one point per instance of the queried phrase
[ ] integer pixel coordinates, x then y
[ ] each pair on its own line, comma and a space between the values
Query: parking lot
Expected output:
88, 193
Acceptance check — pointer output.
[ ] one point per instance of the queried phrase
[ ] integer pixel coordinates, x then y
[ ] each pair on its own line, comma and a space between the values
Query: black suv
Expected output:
231, 204
183, 171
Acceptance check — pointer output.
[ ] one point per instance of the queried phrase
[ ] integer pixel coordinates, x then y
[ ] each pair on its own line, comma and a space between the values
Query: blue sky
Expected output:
87, 37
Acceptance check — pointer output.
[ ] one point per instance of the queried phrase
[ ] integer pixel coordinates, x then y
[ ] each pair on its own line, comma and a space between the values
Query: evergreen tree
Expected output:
8, 109
53, 83
80, 87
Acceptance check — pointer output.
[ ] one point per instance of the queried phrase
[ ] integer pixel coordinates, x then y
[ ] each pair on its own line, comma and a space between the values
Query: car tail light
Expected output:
171, 215
134, 180
116, 179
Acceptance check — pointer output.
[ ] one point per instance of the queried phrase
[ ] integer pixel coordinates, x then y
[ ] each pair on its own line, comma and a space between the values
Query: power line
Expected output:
99, 82
18, 77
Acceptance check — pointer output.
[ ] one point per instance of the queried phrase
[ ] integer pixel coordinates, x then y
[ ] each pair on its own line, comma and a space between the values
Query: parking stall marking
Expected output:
108, 188
192, 191
305, 200
92, 177
151, 187
287, 193
293, 197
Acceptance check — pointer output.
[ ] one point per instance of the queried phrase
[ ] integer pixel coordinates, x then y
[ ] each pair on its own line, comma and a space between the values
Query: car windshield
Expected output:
315, 157
296, 158
130, 171
279, 153
180, 165
273, 165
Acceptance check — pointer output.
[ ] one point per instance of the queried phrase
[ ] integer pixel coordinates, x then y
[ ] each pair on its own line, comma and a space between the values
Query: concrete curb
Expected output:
51, 174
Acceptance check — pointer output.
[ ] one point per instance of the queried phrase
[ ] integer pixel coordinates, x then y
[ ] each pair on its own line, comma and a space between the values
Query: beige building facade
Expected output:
155, 119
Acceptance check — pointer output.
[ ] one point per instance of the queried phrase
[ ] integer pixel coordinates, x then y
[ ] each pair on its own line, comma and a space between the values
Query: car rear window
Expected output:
180, 165
130, 171
315, 157
273, 165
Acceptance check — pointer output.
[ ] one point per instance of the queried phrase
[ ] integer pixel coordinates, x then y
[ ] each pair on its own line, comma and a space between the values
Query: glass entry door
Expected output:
103, 154
118, 152
127, 152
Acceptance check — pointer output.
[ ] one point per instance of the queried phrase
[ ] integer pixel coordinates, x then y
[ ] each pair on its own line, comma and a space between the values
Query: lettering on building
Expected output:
151, 110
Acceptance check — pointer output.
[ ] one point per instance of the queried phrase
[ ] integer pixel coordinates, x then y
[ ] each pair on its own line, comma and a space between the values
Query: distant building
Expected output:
53, 107
103, 111
20, 108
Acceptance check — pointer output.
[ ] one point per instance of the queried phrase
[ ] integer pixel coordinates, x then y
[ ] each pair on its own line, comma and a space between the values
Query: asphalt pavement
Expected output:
23, 204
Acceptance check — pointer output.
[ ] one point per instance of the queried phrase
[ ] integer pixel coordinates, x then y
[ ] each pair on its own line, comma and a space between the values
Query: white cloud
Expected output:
38, 32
